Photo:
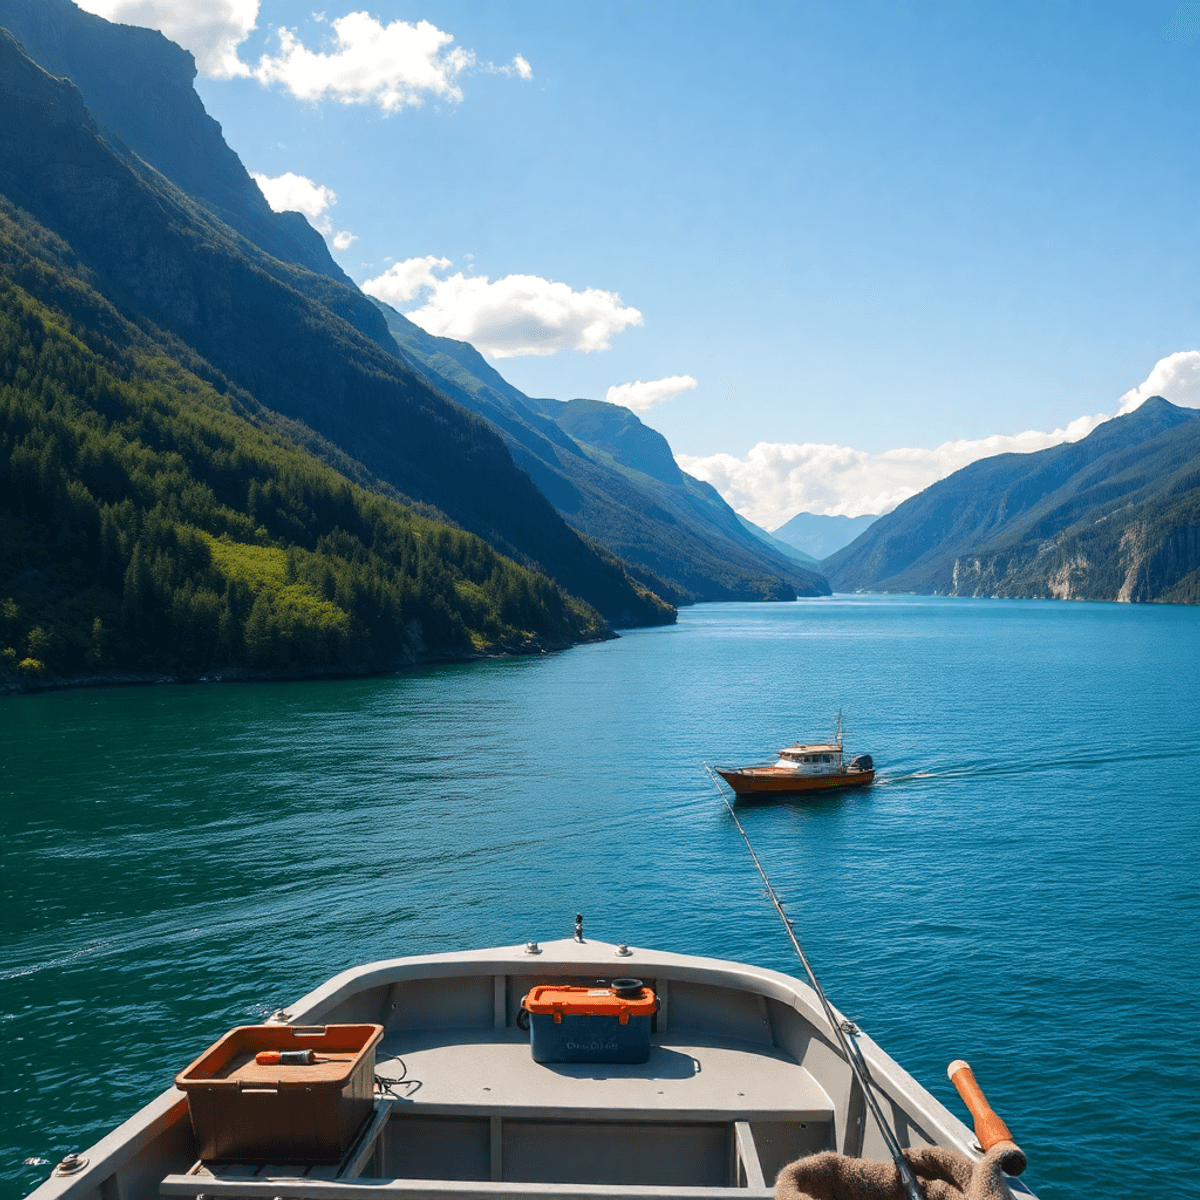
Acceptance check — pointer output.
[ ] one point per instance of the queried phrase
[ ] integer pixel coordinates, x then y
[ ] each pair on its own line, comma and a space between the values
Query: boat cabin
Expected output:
822, 758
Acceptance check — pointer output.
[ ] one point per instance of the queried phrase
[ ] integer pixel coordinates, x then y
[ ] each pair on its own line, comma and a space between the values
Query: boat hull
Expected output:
774, 781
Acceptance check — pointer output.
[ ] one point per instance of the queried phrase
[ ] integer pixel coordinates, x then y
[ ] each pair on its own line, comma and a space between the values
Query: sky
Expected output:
831, 250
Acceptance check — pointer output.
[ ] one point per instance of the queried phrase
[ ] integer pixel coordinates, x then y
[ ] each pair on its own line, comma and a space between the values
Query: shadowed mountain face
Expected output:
301, 344
1115, 516
616, 481
137, 86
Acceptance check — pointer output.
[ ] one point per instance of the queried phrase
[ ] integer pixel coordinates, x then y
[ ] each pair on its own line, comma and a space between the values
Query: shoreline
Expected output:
16, 685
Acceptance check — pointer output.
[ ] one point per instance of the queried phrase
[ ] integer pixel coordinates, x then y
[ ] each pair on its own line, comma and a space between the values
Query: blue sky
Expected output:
857, 226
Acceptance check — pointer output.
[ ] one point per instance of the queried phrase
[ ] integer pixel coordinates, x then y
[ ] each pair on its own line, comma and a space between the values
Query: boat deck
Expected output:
470, 1113
685, 1079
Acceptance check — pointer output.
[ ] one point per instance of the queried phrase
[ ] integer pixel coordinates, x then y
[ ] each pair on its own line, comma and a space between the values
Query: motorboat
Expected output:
804, 767
744, 1073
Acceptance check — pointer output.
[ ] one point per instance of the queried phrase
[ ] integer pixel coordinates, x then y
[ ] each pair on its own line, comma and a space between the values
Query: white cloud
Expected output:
1175, 378
641, 397
777, 480
297, 193
404, 281
211, 29
518, 67
517, 315
389, 65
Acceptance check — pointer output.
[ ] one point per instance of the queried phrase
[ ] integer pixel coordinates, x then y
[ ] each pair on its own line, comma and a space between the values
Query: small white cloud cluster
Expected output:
777, 480
518, 67
642, 397
512, 317
211, 29
390, 65
297, 193
1175, 378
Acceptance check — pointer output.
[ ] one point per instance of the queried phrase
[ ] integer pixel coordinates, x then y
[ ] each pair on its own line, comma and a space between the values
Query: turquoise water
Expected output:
1018, 889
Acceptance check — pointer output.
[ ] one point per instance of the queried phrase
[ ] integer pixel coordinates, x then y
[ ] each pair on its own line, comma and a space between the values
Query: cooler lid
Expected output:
596, 1001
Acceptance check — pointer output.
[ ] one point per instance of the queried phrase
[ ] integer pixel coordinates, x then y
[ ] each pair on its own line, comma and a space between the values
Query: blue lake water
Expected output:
1020, 887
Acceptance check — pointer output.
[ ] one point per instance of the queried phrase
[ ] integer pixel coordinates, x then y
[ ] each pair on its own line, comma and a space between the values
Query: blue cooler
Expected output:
601, 1024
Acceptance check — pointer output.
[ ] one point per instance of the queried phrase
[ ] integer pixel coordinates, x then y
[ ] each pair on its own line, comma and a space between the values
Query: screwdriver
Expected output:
288, 1058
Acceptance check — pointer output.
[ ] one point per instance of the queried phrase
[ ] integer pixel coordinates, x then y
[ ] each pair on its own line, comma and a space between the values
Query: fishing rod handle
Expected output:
990, 1130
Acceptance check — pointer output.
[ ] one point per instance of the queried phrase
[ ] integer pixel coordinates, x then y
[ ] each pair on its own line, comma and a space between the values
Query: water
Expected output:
1018, 889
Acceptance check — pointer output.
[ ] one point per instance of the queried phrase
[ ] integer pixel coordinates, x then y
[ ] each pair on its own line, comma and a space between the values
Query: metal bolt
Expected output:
71, 1164
623, 951
532, 948
848, 1027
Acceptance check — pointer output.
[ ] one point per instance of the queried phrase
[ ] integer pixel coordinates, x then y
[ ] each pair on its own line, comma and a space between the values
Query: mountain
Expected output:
299, 343
138, 87
821, 536
148, 524
1115, 516
757, 531
616, 481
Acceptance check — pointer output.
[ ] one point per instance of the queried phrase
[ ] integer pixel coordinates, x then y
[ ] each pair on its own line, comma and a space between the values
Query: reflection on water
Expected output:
1017, 887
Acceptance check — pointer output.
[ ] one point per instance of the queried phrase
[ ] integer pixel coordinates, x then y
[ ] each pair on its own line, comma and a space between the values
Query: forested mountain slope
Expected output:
291, 339
149, 525
1115, 516
615, 480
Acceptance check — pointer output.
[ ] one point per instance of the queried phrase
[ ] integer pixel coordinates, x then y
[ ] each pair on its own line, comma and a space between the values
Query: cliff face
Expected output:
1115, 516
138, 87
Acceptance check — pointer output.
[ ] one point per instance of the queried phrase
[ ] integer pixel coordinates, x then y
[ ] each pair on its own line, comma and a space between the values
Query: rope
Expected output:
849, 1050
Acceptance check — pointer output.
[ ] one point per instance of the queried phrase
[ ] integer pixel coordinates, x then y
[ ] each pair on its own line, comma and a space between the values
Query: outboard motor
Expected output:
864, 762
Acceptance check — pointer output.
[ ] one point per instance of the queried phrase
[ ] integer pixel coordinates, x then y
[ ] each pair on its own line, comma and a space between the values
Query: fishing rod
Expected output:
851, 1052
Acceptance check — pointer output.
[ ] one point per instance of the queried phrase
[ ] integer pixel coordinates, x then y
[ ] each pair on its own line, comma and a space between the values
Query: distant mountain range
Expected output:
820, 536
762, 535
1115, 516
616, 480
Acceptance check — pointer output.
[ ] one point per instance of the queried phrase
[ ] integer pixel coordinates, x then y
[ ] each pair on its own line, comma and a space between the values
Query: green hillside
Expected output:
149, 525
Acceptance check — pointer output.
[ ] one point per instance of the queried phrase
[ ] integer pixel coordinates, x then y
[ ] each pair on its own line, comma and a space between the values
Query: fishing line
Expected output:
849, 1049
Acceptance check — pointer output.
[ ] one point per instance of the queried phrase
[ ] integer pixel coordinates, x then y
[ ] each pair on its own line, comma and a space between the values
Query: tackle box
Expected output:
243, 1111
606, 1023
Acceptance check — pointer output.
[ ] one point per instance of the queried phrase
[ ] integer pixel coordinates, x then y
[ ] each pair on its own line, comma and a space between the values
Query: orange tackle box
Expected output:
606, 1023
